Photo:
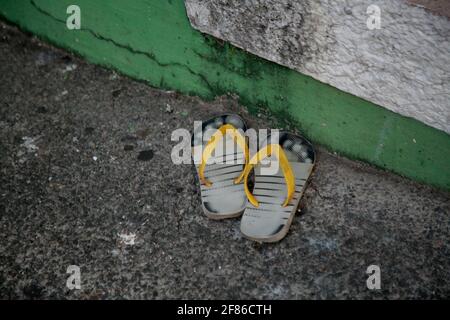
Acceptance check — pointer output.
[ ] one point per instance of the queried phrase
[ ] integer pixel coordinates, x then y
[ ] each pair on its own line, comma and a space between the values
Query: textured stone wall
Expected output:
404, 66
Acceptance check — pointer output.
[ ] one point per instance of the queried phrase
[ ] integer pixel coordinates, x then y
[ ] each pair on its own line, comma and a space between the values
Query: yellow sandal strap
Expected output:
212, 144
285, 166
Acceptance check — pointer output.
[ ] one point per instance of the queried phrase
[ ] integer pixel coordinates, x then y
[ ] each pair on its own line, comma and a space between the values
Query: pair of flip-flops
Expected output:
281, 169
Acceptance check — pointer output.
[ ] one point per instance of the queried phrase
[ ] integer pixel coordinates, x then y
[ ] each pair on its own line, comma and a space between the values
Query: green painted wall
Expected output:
152, 40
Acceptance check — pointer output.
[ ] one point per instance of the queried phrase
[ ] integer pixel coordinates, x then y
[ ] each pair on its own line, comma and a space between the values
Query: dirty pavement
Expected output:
87, 180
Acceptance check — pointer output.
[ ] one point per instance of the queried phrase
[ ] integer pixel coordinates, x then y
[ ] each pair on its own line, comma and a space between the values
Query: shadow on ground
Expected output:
87, 179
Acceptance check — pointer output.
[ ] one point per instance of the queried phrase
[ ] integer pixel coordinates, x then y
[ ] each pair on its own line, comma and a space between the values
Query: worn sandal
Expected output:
220, 171
275, 197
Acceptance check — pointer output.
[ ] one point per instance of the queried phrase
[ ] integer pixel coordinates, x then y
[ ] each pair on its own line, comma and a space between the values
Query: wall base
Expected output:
153, 41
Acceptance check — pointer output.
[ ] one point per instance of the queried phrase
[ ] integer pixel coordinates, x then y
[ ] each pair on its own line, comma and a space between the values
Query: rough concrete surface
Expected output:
404, 66
86, 179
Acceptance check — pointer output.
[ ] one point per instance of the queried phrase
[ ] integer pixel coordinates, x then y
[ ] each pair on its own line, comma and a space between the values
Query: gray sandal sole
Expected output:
223, 199
270, 222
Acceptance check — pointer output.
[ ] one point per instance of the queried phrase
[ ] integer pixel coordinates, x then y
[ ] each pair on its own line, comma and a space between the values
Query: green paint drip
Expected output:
152, 40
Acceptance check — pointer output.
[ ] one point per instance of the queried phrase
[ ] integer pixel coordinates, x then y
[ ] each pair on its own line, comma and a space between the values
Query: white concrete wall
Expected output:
404, 66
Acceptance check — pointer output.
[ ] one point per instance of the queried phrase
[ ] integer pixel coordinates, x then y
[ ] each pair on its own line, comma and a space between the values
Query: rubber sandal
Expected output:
220, 173
275, 197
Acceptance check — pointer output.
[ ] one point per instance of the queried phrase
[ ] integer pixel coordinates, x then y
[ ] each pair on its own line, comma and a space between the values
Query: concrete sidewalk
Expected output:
87, 179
